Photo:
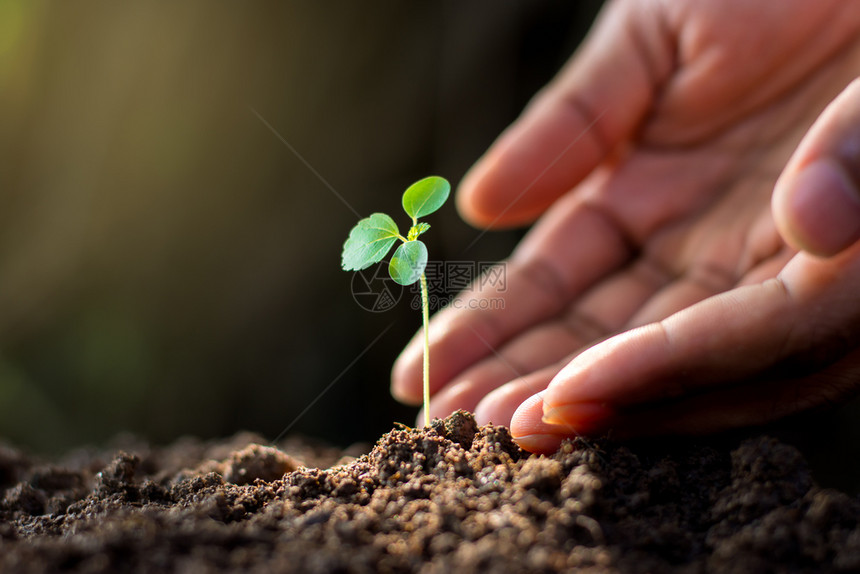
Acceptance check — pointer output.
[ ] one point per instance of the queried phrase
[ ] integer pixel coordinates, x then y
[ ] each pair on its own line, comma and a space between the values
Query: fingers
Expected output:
780, 330
581, 117
471, 388
537, 285
530, 431
577, 244
532, 351
733, 407
769, 399
638, 283
498, 407
816, 202
605, 309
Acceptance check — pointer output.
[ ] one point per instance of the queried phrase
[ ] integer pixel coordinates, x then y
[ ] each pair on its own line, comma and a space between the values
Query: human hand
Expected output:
656, 151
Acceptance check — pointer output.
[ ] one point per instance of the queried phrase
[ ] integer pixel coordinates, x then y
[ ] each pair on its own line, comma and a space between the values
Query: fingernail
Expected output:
580, 416
539, 443
826, 207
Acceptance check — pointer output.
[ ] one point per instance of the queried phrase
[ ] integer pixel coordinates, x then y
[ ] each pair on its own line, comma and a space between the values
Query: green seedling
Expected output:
373, 237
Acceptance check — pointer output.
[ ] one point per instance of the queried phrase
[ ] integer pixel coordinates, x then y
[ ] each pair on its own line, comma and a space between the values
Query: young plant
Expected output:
372, 238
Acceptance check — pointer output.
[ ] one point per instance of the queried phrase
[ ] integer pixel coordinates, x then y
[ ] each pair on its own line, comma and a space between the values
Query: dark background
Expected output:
169, 264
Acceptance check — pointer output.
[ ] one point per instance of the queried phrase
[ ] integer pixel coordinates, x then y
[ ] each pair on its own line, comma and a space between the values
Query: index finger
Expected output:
594, 104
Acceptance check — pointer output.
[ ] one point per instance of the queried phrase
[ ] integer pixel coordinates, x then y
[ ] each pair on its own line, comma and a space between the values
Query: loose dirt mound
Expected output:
452, 498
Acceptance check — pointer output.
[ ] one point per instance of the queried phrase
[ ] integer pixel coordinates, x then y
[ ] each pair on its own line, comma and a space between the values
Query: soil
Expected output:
450, 498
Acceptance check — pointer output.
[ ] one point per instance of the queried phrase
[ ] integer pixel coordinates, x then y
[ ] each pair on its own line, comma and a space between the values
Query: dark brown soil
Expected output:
453, 498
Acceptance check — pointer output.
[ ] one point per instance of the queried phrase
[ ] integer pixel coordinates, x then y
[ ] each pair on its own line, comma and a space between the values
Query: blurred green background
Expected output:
168, 265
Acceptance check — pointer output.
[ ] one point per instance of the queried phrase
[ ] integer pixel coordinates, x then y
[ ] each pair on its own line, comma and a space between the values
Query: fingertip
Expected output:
487, 412
583, 379
453, 397
540, 443
526, 419
627, 368
816, 201
499, 406
404, 395
584, 418
531, 433
546, 153
493, 194
574, 123
470, 194
817, 208
406, 376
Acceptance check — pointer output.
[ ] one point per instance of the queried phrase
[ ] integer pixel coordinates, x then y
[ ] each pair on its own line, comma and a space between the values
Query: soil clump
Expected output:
450, 498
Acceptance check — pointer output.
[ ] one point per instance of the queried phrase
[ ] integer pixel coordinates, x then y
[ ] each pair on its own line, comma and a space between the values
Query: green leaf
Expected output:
408, 262
368, 242
417, 230
426, 196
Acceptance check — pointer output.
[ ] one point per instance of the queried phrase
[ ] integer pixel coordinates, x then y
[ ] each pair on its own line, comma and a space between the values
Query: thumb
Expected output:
816, 201
572, 125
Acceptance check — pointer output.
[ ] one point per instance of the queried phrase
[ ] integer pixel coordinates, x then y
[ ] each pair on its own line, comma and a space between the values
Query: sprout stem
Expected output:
425, 307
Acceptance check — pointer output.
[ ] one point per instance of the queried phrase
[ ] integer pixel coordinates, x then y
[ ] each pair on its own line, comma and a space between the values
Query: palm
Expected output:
682, 214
